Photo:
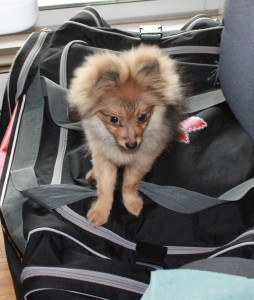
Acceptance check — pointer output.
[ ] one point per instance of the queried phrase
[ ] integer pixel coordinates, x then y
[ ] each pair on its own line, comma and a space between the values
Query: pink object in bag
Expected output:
5, 142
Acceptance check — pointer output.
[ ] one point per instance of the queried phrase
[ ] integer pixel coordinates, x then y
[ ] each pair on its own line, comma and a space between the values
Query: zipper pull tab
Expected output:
46, 29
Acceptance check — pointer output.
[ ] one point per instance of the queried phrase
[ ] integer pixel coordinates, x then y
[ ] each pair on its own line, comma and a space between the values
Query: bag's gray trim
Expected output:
191, 50
54, 195
238, 192
100, 30
62, 290
57, 196
82, 222
204, 101
233, 247
8, 87
57, 173
170, 197
57, 94
43, 229
178, 199
63, 64
58, 105
24, 178
198, 64
103, 232
28, 63
94, 9
227, 265
63, 139
185, 201
101, 278
137, 38
26, 151
93, 16
12, 152
70, 215
191, 24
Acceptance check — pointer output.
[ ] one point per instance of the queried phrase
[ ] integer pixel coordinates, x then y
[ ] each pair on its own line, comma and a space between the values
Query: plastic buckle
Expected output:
150, 32
150, 254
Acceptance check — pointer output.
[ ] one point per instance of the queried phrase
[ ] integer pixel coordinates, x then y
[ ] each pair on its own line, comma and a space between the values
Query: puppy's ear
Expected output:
150, 67
109, 77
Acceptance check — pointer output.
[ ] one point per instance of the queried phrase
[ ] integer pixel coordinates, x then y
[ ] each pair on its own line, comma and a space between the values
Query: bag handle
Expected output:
204, 101
174, 198
189, 202
58, 107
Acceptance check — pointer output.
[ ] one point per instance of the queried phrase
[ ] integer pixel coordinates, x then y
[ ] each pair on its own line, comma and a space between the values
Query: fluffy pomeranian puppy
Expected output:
130, 105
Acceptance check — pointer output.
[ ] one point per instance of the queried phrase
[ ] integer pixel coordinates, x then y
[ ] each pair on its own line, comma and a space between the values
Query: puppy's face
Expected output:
126, 112
126, 121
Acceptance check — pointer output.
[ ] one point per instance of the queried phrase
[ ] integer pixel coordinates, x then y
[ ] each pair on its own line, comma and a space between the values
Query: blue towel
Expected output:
198, 285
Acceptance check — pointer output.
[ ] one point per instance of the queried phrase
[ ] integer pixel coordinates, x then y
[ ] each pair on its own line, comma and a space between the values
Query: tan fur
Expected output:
138, 82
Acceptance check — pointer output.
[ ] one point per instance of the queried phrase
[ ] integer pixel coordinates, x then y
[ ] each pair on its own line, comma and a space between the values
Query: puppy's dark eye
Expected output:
142, 118
114, 120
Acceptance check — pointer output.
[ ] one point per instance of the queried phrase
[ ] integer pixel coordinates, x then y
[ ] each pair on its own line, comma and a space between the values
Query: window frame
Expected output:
126, 16
79, 3
129, 12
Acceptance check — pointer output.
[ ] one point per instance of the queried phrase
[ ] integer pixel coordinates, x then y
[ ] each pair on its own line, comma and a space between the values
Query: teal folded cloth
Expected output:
198, 285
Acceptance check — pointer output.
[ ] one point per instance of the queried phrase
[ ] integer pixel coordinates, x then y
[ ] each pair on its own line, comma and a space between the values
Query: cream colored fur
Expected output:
127, 85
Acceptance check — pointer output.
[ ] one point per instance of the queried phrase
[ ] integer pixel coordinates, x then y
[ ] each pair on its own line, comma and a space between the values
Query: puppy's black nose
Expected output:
131, 146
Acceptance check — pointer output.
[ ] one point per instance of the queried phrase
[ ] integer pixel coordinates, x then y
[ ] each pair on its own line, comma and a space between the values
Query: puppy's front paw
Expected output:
133, 203
97, 215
